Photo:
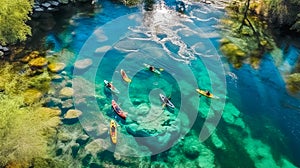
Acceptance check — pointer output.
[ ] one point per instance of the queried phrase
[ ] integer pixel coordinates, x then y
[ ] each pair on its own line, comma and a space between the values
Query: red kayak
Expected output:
118, 110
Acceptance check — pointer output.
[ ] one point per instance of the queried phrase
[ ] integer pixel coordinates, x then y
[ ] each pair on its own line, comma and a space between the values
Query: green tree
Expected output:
246, 37
282, 13
26, 131
13, 17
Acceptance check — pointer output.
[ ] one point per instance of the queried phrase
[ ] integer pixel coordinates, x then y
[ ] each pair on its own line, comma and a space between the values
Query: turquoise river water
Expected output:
254, 122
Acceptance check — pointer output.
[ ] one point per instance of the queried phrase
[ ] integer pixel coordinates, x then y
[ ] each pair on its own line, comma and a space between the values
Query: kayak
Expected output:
165, 100
154, 71
112, 88
113, 131
203, 92
124, 76
118, 110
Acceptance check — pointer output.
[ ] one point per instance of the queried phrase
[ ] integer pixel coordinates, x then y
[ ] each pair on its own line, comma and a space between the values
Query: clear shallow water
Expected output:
258, 126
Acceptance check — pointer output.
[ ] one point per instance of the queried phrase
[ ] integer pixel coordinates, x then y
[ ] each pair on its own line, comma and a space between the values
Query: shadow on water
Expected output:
234, 147
44, 24
259, 100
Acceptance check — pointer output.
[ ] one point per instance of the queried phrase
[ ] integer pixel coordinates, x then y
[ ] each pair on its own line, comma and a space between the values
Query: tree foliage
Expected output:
245, 35
281, 13
24, 129
13, 17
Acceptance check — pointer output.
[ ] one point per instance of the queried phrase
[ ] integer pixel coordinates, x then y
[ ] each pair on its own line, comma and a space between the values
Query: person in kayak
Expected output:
118, 109
207, 93
166, 99
109, 85
151, 68
113, 129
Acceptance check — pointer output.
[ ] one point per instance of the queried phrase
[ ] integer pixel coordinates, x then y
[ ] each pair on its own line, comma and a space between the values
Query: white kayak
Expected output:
165, 100
111, 88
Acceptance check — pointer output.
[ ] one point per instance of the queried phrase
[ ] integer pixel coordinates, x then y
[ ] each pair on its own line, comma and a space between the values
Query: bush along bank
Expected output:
251, 29
246, 36
34, 20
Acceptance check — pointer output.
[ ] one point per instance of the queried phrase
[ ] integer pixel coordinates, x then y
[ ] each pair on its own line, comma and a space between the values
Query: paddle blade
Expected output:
164, 105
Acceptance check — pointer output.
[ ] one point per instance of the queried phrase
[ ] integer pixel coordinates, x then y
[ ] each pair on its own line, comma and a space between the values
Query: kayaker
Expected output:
109, 85
166, 99
113, 129
118, 109
207, 93
151, 68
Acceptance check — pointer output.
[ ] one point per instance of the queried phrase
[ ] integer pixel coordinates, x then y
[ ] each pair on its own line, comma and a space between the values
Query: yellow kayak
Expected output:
124, 76
205, 93
113, 131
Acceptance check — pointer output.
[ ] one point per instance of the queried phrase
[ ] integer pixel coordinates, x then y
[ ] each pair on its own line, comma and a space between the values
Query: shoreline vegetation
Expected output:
251, 30
28, 129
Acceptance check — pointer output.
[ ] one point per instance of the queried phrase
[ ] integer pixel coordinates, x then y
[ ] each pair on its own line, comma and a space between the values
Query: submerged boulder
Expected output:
83, 64
142, 109
97, 130
82, 139
102, 49
56, 67
155, 140
33, 54
96, 125
49, 111
191, 151
57, 78
156, 129
130, 153
39, 62
63, 1
54, 3
66, 92
46, 5
97, 146
72, 114
217, 141
67, 104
